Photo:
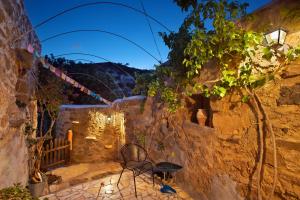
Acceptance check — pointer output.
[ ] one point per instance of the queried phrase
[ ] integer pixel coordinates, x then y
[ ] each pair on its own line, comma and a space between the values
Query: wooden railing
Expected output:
55, 153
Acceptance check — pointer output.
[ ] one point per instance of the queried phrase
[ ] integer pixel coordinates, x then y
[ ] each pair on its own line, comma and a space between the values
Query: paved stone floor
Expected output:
81, 173
106, 188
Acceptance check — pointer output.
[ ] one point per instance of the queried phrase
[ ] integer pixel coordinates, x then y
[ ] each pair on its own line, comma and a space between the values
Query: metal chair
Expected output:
135, 159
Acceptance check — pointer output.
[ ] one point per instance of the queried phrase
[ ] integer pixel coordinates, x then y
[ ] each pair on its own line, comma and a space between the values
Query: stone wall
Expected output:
221, 162
237, 158
278, 13
17, 104
174, 138
97, 132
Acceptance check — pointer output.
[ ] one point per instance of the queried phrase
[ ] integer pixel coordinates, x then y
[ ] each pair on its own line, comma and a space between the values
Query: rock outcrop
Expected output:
16, 91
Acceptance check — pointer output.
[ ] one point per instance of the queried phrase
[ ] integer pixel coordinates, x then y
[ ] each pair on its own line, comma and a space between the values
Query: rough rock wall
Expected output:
221, 161
174, 138
236, 124
278, 13
16, 87
107, 137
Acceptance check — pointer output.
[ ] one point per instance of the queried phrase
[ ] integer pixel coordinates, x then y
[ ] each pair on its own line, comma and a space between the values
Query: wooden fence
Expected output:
55, 153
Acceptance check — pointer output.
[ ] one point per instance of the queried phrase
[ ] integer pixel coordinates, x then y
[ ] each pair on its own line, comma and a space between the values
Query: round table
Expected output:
167, 167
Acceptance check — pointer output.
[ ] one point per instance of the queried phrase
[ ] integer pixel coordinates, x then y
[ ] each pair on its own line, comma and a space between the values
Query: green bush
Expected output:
16, 192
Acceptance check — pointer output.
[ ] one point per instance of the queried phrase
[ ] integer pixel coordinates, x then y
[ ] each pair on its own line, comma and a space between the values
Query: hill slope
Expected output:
110, 80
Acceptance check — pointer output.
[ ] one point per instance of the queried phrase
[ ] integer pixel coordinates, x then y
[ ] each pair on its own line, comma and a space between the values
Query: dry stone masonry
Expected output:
98, 132
17, 104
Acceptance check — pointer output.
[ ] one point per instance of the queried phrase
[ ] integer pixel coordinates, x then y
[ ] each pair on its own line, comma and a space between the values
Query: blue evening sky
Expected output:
119, 20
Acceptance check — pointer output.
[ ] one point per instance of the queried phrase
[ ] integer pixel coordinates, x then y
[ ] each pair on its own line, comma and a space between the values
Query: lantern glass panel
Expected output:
282, 37
272, 38
276, 37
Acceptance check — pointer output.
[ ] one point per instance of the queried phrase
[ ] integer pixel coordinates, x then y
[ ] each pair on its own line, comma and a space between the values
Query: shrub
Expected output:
16, 192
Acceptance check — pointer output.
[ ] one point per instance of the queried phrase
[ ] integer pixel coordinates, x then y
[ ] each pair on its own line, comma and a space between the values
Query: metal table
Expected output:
167, 167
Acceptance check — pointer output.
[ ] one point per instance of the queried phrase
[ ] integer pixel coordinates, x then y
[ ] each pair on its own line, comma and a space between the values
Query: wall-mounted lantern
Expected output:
276, 37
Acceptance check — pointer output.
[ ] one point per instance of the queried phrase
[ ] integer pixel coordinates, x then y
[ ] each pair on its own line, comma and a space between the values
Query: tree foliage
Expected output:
242, 59
212, 37
50, 95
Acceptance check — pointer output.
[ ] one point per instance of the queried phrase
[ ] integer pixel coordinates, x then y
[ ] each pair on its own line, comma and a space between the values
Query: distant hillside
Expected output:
110, 80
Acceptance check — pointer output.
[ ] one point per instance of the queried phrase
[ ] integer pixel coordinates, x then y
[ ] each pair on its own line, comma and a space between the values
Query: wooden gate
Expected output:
55, 153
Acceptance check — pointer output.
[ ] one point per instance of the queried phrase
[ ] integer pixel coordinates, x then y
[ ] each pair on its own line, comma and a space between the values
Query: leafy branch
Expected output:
211, 38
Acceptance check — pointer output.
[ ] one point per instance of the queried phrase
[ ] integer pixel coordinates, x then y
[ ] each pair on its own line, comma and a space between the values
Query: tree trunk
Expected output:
270, 128
263, 116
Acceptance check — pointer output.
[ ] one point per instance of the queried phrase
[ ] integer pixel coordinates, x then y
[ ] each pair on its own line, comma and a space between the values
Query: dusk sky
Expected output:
119, 20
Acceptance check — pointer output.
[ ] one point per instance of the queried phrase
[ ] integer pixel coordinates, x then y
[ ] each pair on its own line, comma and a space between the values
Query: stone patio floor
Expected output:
81, 173
106, 188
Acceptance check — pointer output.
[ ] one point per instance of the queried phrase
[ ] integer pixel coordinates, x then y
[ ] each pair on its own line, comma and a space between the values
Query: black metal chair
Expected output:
135, 159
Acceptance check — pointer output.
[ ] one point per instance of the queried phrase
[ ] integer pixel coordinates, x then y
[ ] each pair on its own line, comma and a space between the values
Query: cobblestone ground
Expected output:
106, 188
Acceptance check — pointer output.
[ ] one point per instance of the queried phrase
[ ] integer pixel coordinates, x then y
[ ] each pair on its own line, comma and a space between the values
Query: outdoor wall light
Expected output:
108, 118
276, 37
91, 137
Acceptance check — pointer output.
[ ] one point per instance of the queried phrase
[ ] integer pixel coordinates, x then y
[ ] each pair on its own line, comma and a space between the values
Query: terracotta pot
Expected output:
201, 116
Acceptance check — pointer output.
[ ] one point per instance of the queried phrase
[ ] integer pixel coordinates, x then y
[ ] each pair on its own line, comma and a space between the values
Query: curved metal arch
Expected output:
95, 56
84, 74
86, 5
97, 3
102, 31
123, 94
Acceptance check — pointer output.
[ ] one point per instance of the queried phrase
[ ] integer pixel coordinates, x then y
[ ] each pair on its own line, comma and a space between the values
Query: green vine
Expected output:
211, 38
223, 45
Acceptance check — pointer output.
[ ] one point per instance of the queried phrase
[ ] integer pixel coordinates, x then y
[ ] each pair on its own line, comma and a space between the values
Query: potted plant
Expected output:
37, 180
49, 95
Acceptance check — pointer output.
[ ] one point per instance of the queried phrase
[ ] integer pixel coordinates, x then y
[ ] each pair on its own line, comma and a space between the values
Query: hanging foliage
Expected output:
212, 38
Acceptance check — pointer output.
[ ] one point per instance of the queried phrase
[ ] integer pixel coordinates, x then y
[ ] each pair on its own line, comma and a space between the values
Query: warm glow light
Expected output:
108, 146
75, 122
276, 37
90, 137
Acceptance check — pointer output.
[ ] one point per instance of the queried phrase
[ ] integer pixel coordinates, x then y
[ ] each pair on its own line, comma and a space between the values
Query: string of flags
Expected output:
65, 77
